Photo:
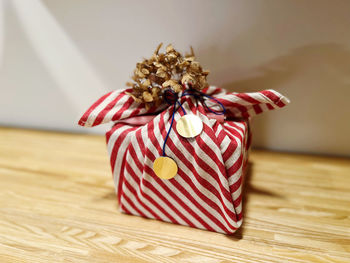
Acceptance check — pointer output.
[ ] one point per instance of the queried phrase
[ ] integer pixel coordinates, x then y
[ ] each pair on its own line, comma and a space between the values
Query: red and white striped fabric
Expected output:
207, 191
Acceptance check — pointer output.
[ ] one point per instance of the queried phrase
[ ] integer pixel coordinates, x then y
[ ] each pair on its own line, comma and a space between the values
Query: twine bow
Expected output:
172, 98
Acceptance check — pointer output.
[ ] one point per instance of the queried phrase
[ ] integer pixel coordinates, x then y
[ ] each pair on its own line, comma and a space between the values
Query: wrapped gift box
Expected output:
206, 193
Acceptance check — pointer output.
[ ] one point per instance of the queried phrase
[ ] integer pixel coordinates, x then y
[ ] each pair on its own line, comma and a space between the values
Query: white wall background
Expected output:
57, 57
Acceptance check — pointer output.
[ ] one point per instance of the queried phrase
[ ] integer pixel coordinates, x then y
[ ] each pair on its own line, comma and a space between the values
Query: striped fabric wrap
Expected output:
206, 193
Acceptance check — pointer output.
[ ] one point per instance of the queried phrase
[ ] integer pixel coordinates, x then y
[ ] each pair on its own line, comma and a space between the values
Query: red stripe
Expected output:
204, 147
124, 209
203, 198
135, 195
220, 192
145, 182
126, 108
246, 97
115, 152
203, 182
133, 205
146, 196
189, 181
193, 153
229, 104
150, 186
211, 91
239, 128
121, 176
273, 97
221, 135
230, 129
202, 164
107, 109
132, 153
238, 183
235, 167
157, 146
269, 106
238, 200
257, 109
109, 133
86, 115
118, 142
230, 150
205, 90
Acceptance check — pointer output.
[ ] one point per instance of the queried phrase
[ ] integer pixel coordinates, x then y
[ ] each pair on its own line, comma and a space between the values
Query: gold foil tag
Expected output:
165, 167
189, 126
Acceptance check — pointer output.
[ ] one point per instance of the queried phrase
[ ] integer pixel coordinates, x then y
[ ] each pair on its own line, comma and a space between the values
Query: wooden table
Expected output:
57, 204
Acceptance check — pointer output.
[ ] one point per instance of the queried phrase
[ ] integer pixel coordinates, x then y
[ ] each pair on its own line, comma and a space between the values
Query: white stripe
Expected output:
239, 208
269, 101
261, 98
218, 130
119, 160
129, 207
234, 98
114, 136
237, 193
168, 184
224, 145
120, 154
238, 174
149, 178
188, 188
231, 125
146, 190
213, 89
232, 179
118, 105
264, 107
134, 200
204, 174
212, 164
92, 116
284, 99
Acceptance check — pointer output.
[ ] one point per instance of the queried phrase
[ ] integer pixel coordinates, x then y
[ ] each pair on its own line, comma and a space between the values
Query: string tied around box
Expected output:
188, 126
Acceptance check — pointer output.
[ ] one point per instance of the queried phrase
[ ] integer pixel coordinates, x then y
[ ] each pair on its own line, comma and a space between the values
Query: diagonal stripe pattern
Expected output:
207, 191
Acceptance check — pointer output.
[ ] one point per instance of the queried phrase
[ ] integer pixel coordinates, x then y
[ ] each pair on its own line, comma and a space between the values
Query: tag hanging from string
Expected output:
188, 126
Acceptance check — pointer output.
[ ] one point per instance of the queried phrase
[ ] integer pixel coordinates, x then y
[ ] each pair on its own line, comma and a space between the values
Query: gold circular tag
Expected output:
165, 167
189, 126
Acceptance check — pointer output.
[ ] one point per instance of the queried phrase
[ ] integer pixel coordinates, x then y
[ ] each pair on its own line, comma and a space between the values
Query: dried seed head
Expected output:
155, 92
169, 48
145, 71
194, 66
187, 78
189, 59
163, 71
134, 97
173, 84
146, 83
147, 96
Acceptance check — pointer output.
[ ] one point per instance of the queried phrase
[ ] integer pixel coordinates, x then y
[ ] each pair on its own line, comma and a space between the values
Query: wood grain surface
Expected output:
57, 204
